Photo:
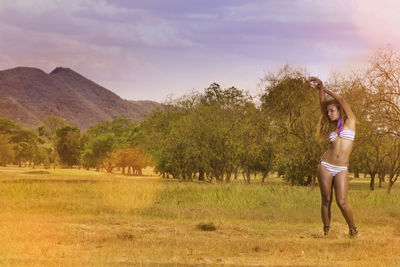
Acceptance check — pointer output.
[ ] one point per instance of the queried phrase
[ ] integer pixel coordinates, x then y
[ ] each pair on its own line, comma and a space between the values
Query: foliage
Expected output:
97, 150
24, 145
111, 144
292, 108
132, 158
211, 135
42, 156
6, 152
47, 131
68, 145
122, 128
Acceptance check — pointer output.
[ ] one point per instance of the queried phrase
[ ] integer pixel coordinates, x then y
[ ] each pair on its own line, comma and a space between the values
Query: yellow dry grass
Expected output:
80, 218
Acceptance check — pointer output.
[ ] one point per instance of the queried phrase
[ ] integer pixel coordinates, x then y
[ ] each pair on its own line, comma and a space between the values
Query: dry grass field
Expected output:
83, 218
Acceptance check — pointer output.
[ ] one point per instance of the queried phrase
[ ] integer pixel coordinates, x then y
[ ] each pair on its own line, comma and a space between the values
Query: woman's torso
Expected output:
339, 150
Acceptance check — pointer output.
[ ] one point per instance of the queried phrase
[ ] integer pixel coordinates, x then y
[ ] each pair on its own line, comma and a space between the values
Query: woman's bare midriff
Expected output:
338, 152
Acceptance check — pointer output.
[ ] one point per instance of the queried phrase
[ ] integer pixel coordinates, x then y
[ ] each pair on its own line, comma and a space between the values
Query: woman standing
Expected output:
337, 122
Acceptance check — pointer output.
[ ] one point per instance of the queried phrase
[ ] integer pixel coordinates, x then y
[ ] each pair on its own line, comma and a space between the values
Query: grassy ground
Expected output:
72, 217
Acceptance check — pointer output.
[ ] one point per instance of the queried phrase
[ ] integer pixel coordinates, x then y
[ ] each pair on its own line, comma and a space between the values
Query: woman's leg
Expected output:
341, 184
325, 185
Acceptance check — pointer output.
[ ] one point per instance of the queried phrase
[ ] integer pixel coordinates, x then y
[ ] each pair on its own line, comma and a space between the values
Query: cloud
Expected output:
156, 47
92, 21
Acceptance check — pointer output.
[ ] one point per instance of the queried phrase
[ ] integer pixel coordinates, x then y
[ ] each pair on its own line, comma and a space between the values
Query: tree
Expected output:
42, 156
199, 134
89, 159
24, 144
382, 110
153, 135
124, 130
6, 152
382, 171
373, 157
368, 152
68, 145
256, 150
8, 127
48, 131
97, 150
50, 125
292, 108
393, 161
133, 158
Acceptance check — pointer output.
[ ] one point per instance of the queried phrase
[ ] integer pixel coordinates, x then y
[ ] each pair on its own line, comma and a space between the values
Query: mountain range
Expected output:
28, 95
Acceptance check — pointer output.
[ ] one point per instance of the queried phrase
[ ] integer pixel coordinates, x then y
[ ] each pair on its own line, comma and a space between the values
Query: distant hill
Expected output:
28, 95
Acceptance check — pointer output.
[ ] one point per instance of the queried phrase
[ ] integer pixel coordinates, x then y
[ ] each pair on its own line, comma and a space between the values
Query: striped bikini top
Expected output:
345, 134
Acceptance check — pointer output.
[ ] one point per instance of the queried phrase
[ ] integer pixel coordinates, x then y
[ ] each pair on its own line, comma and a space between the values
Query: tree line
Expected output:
105, 146
221, 134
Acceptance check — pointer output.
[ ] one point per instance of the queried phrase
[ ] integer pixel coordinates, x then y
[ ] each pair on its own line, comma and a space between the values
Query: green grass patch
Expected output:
272, 202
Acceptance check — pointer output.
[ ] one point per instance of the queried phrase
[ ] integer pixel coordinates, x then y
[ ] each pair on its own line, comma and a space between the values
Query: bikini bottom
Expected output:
333, 169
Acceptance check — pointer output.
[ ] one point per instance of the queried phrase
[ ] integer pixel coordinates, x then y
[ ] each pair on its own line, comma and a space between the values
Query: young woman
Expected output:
337, 122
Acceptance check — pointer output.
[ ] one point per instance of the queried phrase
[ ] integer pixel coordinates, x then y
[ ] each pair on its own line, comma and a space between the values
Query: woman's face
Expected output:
333, 112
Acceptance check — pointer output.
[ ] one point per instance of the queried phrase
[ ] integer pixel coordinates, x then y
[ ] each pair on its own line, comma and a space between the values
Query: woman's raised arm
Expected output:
346, 107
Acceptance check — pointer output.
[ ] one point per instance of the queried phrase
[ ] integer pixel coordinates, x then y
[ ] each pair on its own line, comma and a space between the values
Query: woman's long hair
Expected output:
325, 126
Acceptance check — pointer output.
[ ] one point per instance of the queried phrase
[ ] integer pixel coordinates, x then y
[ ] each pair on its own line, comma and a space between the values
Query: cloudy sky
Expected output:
151, 49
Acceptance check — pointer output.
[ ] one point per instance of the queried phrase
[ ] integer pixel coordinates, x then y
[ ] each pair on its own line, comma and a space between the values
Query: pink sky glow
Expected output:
155, 48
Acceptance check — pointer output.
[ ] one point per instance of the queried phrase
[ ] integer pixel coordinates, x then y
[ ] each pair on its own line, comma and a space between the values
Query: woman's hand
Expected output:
315, 82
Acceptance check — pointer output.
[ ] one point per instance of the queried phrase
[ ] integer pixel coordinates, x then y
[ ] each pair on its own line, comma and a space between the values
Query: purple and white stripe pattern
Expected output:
345, 134
333, 169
